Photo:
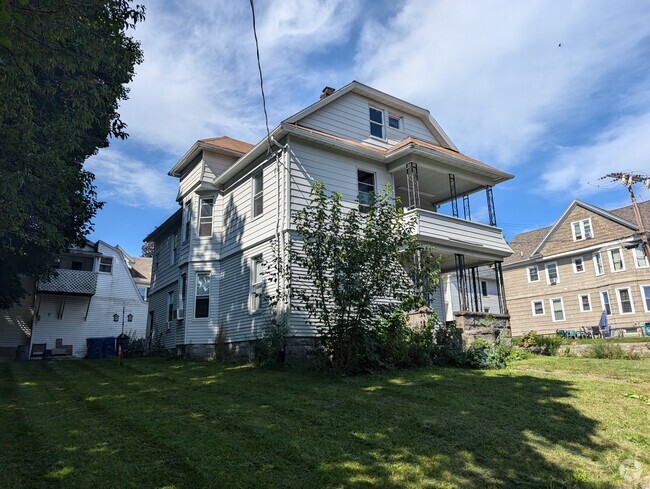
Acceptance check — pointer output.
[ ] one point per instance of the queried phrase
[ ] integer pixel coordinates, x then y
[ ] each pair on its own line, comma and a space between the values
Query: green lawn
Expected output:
544, 422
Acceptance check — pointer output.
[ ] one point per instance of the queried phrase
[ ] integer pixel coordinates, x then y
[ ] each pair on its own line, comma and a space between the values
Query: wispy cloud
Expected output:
132, 182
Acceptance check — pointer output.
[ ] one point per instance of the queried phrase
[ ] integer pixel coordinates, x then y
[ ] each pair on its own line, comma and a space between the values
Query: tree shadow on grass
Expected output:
154, 423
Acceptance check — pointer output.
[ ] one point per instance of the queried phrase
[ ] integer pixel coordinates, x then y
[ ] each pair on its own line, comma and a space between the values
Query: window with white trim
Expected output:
557, 309
598, 264
187, 220
578, 265
537, 307
202, 296
257, 282
645, 296
616, 262
376, 122
484, 288
174, 247
640, 260
533, 274
106, 264
604, 301
585, 302
625, 304
170, 306
206, 208
552, 275
182, 299
394, 122
366, 186
582, 230
258, 194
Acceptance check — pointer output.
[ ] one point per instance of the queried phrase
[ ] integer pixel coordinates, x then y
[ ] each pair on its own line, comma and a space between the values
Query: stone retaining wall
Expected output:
579, 349
490, 327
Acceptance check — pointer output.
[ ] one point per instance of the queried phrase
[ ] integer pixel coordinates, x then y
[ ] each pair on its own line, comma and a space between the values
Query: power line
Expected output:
259, 67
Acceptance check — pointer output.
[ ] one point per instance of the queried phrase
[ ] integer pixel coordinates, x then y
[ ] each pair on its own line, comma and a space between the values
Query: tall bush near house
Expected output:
354, 268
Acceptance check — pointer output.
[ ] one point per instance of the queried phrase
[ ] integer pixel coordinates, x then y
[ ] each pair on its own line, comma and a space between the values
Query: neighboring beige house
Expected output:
564, 276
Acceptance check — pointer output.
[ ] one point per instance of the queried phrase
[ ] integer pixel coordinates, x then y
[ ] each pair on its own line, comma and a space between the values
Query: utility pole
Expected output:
629, 179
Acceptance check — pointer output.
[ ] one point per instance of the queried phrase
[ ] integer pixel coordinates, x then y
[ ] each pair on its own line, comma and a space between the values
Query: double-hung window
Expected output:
202, 300
557, 308
106, 264
604, 300
538, 308
258, 194
376, 123
625, 304
581, 230
484, 288
640, 260
170, 306
366, 186
585, 302
174, 247
205, 217
187, 219
645, 296
598, 264
257, 283
578, 265
533, 274
616, 260
552, 275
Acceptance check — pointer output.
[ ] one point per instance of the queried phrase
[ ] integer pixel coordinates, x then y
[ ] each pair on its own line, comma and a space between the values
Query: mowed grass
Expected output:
544, 422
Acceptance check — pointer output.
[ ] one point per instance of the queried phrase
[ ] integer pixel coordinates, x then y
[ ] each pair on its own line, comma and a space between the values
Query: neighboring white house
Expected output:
482, 292
235, 199
93, 283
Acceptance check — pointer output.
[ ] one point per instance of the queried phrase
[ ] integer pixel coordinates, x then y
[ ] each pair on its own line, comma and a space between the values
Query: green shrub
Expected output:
270, 347
609, 351
544, 345
483, 354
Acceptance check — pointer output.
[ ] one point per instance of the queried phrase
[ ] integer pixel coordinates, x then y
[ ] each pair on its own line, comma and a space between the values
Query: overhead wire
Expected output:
259, 67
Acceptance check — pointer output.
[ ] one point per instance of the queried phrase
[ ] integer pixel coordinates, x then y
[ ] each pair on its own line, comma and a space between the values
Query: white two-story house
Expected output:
236, 199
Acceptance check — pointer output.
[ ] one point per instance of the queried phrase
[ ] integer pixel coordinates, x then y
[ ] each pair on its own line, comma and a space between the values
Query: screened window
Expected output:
258, 194
598, 264
538, 308
551, 273
202, 301
377, 123
578, 265
581, 230
558, 309
616, 260
257, 274
645, 294
585, 303
640, 260
604, 299
366, 182
205, 217
533, 274
625, 301
106, 264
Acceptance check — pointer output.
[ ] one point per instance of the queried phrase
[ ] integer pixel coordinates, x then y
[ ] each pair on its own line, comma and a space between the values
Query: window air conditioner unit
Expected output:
553, 281
180, 313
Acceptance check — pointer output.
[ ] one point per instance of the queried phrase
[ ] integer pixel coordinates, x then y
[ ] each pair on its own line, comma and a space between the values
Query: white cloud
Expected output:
131, 182
623, 147
493, 73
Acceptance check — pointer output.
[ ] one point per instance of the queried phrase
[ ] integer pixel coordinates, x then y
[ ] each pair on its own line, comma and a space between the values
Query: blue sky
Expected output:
555, 92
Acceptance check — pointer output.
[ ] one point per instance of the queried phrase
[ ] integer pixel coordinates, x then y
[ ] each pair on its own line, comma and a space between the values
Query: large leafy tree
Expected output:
64, 66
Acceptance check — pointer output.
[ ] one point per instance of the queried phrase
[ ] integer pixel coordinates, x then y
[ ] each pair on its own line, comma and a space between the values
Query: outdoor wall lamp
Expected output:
116, 317
129, 318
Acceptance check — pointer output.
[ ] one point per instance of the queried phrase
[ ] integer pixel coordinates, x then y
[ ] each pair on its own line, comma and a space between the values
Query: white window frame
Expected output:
581, 304
256, 287
382, 125
110, 262
206, 219
575, 265
550, 302
620, 302
400, 122
635, 255
182, 292
602, 294
645, 300
258, 176
196, 292
528, 269
557, 272
484, 288
598, 260
583, 232
610, 254
532, 307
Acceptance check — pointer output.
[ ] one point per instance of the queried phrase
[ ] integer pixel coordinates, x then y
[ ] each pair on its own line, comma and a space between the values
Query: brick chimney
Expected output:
327, 91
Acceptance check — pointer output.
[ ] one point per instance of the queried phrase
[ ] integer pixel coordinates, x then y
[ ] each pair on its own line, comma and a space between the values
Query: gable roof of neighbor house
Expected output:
526, 245
139, 266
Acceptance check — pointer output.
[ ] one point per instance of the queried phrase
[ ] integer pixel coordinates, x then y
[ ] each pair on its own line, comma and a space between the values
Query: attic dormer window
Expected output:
377, 123
581, 230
